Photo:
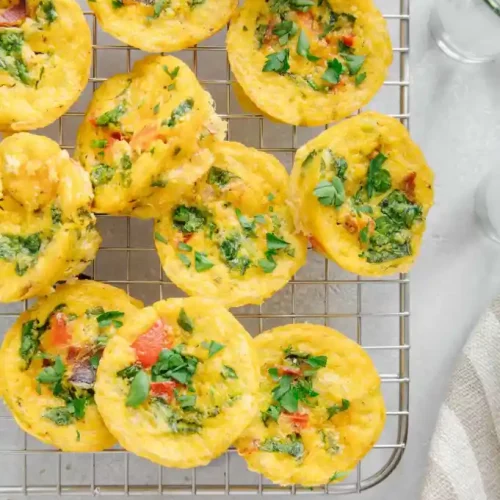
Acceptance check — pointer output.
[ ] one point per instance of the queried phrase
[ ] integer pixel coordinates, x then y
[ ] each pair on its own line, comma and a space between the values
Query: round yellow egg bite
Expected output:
320, 406
49, 360
178, 385
232, 237
309, 63
162, 25
362, 190
45, 55
130, 139
47, 231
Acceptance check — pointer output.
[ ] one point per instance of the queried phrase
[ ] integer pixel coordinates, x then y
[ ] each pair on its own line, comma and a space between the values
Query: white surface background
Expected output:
456, 119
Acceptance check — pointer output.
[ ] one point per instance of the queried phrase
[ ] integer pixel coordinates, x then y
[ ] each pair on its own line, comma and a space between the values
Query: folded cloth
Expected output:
464, 461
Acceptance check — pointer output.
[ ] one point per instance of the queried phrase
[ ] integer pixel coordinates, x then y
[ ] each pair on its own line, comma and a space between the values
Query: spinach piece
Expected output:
378, 179
21, 250
275, 243
246, 224
334, 409
102, 174
330, 193
186, 401
330, 442
182, 109
185, 322
272, 413
277, 62
268, 265
360, 78
112, 117
188, 219
292, 446
60, 415
219, 177
353, 63
179, 423
229, 249
30, 341
11, 59
139, 389
400, 209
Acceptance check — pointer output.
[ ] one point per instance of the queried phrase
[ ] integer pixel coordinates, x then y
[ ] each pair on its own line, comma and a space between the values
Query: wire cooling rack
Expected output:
374, 312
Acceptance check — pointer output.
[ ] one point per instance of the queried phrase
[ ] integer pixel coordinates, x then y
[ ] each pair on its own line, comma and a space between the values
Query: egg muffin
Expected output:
309, 63
178, 385
362, 191
320, 406
49, 360
130, 139
47, 231
162, 25
232, 237
45, 56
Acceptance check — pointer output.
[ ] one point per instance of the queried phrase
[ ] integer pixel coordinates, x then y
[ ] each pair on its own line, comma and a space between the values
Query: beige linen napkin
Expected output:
464, 461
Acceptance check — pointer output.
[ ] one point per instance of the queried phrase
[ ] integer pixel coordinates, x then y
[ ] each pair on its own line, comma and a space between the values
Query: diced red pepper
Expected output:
149, 345
186, 237
289, 370
59, 331
348, 40
306, 18
409, 185
93, 121
299, 420
163, 389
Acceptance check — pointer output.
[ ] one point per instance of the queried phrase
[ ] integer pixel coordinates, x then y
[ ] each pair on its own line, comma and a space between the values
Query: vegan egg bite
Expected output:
232, 237
45, 56
320, 406
310, 62
177, 386
362, 191
49, 360
47, 229
162, 25
130, 138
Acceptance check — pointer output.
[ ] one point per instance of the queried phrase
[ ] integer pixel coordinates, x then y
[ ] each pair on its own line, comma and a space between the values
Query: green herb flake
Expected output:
184, 259
160, 238
330, 193
185, 322
353, 63
178, 113
277, 62
219, 177
275, 243
228, 372
335, 409
378, 179
112, 117
213, 347
139, 389
184, 247
303, 48
333, 71
201, 262
360, 78
99, 143
110, 318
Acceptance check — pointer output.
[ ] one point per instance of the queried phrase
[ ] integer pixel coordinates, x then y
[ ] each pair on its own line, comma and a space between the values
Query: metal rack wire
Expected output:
317, 294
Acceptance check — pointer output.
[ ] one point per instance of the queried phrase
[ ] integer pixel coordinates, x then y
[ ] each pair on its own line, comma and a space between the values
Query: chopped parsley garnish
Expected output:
378, 179
201, 262
330, 442
360, 78
333, 71
129, 372
184, 259
186, 401
303, 48
400, 209
99, 143
353, 63
336, 164
185, 322
247, 225
30, 341
330, 193
48, 10
178, 113
229, 251
173, 365
268, 265
184, 247
277, 62
333, 410
337, 475
112, 117
275, 243
284, 31
272, 413
188, 219
213, 347
56, 214
11, 59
